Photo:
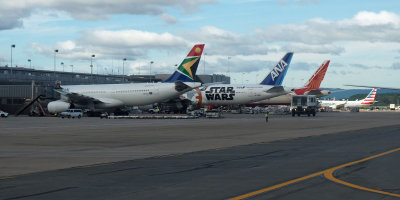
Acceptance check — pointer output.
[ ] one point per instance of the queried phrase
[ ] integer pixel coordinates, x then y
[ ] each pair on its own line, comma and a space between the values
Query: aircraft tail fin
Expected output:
278, 73
186, 71
370, 99
315, 81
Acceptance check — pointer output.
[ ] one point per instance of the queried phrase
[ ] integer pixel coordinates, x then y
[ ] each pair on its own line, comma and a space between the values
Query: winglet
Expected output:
186, 71
277, 74
315, 81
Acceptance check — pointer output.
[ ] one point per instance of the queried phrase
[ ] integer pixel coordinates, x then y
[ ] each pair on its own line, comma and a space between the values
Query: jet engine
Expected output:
58, 106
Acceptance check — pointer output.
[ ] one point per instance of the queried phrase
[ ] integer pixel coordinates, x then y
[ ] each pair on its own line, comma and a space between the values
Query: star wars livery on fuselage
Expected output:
110, 96
232, 94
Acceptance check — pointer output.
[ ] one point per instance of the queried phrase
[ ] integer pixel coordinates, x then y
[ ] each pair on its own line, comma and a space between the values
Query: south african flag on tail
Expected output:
186, 71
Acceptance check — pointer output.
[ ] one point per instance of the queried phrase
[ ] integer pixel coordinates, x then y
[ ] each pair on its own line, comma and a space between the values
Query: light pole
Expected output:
151, 62
204, 70
30, 63
123, 66
72, 68
123, 69
55, 53
12, 46
91, 66
62, 64
229, 72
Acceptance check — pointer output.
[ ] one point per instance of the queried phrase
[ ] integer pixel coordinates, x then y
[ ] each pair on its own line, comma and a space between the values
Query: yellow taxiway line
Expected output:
329, 175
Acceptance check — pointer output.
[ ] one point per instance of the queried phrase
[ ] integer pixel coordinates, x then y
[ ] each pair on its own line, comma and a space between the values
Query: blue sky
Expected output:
246, 37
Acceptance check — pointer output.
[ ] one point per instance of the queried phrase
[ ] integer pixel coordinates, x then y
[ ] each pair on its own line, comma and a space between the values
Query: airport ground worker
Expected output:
266, 117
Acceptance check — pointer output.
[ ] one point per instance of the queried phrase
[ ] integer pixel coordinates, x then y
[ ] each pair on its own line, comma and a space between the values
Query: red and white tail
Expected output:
315, 81
370, 99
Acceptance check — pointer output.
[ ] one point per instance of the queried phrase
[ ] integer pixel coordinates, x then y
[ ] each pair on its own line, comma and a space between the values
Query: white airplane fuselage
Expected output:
332, 103
232, 94
359, 104
344, 104
105, 96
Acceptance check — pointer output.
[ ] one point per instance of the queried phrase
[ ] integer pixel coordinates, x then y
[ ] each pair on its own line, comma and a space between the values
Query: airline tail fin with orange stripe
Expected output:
315, 81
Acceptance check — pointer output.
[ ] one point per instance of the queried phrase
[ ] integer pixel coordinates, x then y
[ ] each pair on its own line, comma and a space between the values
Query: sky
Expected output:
243, 39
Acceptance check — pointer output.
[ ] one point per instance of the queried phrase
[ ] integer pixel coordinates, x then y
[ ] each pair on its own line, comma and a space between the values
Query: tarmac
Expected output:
91, 158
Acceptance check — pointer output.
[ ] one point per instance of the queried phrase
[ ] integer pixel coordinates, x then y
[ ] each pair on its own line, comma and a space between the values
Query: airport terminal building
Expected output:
19, 85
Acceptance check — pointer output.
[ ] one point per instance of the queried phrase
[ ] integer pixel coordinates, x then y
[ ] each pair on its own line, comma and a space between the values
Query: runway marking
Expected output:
328, 173
6, 177
251, 194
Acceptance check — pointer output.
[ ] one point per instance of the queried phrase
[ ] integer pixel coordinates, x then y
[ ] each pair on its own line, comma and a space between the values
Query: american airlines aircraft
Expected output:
232, 94
310, 88
367, 101
111, 96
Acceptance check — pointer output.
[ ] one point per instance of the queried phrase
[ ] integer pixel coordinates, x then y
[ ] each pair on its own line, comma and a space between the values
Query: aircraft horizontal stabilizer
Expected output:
181, 87
276, 89
314, 92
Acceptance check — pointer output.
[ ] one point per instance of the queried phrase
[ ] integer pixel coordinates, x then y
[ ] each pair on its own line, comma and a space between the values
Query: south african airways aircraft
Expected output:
102, 97
232, 94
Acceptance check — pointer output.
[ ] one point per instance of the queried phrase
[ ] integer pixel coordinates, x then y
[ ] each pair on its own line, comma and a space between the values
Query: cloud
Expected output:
396, 66
298, 2
303, 66
223, 42
12, 12
241, 65
356, 66
168, 18
131, 38
3, 58
364, 26
306, 2
320, 49
110, 44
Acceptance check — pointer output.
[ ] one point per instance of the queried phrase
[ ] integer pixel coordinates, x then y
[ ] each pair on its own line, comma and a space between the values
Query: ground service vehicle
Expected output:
72, 113
304, 104
3, 114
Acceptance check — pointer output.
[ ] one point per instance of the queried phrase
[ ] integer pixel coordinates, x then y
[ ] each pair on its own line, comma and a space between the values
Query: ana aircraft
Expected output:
310, 88
232, 94
102, 97
367, 101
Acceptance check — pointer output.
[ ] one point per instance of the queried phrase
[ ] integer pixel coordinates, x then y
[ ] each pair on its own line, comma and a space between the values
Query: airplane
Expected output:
310, 88
100, 97
232, 94
367, 101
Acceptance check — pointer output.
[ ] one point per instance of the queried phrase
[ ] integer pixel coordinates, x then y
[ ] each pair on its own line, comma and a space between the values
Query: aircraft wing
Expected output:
76, 97
389, 88
210, 84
